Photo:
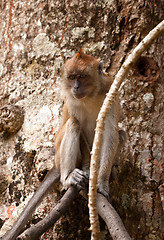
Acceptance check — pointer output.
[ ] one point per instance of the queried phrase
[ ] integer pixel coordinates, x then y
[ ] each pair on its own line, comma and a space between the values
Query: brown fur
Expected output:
84, 87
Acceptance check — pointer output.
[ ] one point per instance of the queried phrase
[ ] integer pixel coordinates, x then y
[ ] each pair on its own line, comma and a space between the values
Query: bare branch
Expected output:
112, 219
49, 181
38, 229
105, 210
132, 58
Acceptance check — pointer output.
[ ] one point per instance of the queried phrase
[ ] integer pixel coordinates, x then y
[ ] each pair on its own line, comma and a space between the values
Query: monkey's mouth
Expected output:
79, 95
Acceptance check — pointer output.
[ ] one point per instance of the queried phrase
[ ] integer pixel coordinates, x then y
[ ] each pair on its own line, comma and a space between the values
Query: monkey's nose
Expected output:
76, 85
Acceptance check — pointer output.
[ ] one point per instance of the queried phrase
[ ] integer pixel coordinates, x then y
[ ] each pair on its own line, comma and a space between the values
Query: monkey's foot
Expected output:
78, 178
104, 190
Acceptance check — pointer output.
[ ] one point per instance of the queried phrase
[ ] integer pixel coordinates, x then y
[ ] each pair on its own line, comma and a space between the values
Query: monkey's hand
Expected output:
103, 188
78, 178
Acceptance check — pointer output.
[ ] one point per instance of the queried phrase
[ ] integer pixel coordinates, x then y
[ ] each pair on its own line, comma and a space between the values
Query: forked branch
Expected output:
49, 181
39, 228
105, 210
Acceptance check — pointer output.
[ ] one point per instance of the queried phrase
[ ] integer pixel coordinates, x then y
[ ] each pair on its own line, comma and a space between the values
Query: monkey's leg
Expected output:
70, 155
108, 153
85, 153
122, 139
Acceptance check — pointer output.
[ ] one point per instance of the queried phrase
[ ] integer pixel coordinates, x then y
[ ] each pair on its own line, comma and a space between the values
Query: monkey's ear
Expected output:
80, 54
100, 67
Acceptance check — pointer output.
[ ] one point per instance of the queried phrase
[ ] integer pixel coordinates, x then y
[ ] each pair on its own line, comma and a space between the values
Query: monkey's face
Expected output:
80, 84
81, 76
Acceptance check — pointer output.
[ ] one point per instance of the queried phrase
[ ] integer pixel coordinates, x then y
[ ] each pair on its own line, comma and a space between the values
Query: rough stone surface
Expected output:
36, 37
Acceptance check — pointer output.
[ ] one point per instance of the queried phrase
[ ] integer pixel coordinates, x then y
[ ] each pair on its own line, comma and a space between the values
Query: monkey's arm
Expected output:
49, 181
68, 155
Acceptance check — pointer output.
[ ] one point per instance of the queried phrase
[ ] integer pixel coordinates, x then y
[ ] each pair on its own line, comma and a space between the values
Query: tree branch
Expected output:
38, 229
112, 219
51, 178
105, 210
132, 58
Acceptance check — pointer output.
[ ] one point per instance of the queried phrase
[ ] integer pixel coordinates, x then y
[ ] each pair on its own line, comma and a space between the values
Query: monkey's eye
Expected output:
71, 77
83, 76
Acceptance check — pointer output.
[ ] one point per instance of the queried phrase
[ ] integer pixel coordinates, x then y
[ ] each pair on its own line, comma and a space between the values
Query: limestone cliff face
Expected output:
35, 38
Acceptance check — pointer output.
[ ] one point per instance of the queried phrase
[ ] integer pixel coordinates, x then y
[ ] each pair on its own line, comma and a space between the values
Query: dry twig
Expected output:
132, 58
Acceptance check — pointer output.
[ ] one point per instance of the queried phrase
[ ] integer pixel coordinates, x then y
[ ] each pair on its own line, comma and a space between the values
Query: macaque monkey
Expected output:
83, 87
